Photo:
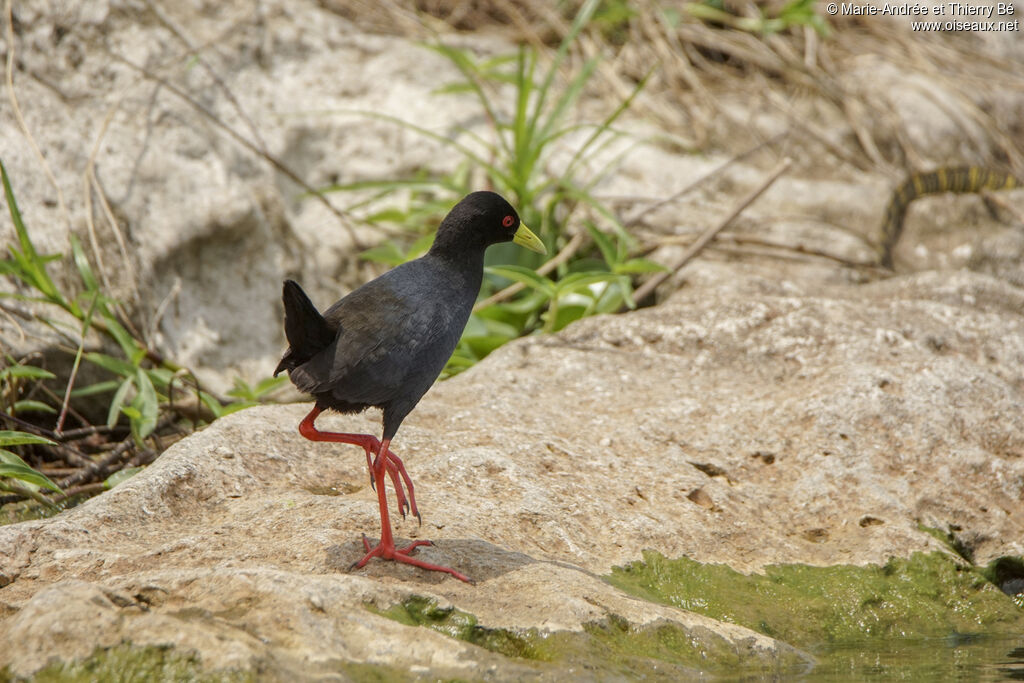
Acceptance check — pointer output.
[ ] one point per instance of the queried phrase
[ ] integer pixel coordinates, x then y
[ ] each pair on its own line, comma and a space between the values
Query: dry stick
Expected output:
197, 52
7, 313
637, 217
773, 249
751, 247
88, 489
92, 182
990, 196
648, 287
806, 126
57, 399
66, 402
266, 156
80, 432
21, 119
100, 466
72, 455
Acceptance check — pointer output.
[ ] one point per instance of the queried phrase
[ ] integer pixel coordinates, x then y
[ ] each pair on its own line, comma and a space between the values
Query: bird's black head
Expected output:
480, 220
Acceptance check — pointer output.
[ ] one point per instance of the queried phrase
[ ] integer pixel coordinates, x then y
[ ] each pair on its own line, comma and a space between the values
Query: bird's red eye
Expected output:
507, 221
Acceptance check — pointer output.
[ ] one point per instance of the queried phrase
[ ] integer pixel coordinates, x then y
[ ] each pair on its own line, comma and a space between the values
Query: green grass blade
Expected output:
28, 475
604, 244
15, 468
84, 268
490, 168
523, 133
215, 406
568, 97
114, 365
114, 412
582, 17
30, 406
471, 72
147, 404
638, 266
121, 476
578, 282
97, 388
32, 265
26, 371
525, 276
607, 123
13, 438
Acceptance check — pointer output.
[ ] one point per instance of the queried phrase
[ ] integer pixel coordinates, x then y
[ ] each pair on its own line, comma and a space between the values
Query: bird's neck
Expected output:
464, 268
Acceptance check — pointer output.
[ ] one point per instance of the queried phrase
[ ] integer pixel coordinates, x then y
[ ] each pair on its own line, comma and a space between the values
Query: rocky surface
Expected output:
781, 410
752, 423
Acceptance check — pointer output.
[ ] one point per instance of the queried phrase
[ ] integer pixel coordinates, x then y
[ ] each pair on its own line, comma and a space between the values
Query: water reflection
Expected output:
955, 657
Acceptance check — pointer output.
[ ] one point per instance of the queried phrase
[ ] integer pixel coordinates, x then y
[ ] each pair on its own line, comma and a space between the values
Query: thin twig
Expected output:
88, 489
80, 432
648, 287
772, 248
99, 467
70, 454
92, 182
16, 108
266, 156
197, 53
1004, 205
66, 403
637, 217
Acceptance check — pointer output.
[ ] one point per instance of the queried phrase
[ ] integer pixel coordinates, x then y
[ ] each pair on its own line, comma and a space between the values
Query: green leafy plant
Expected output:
547, 164
142, 384
15, 475
793, 13
11, 378
249, 395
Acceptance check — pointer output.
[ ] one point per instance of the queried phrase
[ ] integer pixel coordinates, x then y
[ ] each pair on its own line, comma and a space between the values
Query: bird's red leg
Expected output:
369, 444
386, 548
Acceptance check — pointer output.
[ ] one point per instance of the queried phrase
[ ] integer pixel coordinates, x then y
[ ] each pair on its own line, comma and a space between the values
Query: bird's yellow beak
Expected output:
524, 237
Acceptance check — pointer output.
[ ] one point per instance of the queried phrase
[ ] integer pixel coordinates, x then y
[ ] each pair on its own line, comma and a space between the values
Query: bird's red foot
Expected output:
388, 551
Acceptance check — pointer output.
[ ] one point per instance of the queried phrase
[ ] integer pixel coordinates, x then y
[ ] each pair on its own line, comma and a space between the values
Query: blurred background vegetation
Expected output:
572, 74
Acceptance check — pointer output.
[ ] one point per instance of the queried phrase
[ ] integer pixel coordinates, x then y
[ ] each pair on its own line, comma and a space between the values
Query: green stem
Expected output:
18, 489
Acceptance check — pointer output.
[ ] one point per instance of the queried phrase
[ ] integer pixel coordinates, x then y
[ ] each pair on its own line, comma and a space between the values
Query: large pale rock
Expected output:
209, 228
756, 422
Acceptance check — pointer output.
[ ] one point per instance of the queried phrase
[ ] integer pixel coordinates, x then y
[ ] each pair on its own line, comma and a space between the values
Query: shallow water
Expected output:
955, 658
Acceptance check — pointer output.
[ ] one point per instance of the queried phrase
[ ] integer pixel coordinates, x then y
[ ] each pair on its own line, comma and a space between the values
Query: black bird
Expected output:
384, 344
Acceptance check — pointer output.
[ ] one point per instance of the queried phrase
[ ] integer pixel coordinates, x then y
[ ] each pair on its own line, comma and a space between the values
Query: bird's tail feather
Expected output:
307, 331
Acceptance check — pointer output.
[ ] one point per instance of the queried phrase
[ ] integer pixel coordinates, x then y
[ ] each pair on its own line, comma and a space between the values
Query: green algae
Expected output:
610, 647
126, 663
454, 623
925, 596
